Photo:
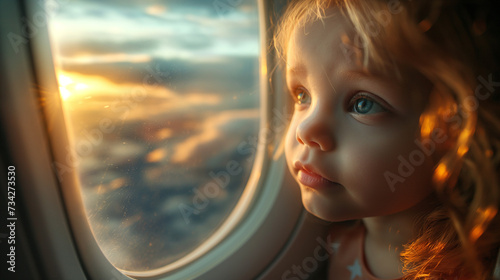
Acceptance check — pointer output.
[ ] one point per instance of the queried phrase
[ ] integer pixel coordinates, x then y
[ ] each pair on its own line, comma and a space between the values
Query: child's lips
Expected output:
307, 177
314, 180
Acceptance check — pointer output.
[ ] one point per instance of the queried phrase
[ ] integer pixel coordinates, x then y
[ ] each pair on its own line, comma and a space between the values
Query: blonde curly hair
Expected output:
451, 43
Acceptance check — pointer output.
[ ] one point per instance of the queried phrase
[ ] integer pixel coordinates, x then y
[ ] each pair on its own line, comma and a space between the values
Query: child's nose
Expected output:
315, 131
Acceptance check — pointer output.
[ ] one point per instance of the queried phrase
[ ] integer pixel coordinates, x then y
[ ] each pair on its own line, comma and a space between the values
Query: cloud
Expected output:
212, 7
194, 41
219, 137
155, 29
175, 35
99, 47
223, 75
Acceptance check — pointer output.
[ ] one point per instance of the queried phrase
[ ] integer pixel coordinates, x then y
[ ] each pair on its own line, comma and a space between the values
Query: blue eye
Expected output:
364, 105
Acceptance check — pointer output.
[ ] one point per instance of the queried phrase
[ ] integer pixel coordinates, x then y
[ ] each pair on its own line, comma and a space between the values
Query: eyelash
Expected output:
350, 106
362, 95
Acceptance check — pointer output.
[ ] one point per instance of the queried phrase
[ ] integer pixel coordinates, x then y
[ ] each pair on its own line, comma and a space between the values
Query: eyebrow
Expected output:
298, 70
359, 74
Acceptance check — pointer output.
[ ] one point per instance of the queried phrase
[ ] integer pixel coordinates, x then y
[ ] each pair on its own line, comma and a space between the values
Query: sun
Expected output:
67, 86
64, 82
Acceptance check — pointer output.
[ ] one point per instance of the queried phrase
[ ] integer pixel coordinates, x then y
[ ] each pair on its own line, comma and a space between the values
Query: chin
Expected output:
324, 209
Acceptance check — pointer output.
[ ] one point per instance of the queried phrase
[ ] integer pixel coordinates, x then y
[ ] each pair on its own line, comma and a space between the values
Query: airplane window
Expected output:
162, 99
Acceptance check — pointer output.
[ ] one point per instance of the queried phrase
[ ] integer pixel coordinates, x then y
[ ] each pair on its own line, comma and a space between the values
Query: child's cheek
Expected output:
379, 172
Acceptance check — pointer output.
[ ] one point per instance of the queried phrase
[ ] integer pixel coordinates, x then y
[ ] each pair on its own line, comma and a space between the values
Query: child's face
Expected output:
350, 127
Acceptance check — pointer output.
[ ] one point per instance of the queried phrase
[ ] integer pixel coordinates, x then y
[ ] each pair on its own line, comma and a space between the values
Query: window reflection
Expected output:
162, 98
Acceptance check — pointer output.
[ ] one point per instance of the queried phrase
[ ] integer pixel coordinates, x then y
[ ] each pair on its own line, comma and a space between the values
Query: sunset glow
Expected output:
68, 86
64, 81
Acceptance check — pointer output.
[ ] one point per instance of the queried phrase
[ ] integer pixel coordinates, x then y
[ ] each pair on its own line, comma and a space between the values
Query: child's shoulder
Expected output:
346, 259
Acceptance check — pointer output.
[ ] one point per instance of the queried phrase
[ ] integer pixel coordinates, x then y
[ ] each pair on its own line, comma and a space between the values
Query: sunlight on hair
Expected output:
437, 247
483, 219
427, 124
425, 25
463, 141
441, 173
462, 150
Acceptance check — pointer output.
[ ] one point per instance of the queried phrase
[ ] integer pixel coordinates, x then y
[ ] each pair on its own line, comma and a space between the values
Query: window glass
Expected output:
162, 101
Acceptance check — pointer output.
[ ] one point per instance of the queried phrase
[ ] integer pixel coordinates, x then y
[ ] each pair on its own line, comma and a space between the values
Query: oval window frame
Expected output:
261, 214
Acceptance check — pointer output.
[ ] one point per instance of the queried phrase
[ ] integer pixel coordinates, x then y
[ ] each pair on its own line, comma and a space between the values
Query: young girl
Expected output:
396, 128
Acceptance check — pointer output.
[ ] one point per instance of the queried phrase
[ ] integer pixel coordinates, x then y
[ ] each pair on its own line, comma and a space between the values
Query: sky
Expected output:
178, 80
107, 49
143, 30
